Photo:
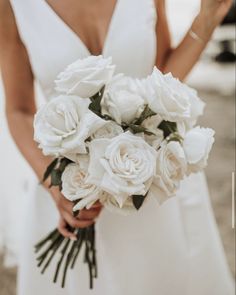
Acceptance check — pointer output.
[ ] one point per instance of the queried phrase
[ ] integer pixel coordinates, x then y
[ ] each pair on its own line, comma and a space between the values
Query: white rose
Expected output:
151, 124
63, 124
75, 186
110, 203
167, 97
121, 102
197, 145
122, 166
109, 130
196, 106
181, 128
170, 168
85, 77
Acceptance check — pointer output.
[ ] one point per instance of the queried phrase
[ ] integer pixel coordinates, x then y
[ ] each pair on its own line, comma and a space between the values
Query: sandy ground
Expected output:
7, 280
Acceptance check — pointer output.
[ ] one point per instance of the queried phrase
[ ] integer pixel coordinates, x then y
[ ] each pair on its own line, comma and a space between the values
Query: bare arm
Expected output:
18, 83
181, 60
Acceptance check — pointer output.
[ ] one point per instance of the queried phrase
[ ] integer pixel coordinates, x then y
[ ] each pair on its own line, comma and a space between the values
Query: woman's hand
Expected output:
84, 219
214, 11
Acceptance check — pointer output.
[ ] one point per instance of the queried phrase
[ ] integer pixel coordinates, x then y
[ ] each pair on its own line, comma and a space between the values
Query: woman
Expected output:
173, 249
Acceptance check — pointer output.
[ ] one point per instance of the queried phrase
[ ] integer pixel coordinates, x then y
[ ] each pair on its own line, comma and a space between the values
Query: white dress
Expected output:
173, 249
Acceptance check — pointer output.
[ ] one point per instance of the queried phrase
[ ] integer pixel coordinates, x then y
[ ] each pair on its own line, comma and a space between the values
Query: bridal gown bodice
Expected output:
173, 249
52, 44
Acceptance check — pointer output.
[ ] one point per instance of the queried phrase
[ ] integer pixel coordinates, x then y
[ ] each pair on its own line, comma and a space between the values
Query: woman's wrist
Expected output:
52, 190
55, 193
203, 26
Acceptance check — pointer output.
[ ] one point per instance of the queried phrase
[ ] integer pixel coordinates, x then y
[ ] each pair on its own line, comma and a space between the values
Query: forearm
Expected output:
21, 128
181, 60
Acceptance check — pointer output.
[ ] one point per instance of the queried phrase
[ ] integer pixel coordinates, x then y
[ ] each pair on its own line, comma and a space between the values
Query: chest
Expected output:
89, 20
55, 37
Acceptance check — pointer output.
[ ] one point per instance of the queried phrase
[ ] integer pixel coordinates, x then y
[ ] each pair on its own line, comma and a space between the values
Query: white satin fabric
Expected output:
173, 249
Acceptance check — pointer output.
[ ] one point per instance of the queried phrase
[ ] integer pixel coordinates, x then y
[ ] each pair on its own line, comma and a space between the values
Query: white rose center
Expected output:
129, 162
64, 119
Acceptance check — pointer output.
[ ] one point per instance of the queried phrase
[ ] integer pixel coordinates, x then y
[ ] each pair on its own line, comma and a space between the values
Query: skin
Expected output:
18, 78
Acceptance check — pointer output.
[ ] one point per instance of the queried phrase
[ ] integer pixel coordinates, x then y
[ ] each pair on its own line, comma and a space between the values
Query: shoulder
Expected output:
8, 28
6, 13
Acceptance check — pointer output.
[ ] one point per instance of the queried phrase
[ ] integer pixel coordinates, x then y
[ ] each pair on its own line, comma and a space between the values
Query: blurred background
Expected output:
213, 77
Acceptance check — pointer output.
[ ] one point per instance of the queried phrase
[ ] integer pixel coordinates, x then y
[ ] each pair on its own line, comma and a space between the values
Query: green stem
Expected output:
63, 252
56, 247
89, 254
88, 261
94, 258
49, 237
68, 260
79, 243
44, 255
84, 236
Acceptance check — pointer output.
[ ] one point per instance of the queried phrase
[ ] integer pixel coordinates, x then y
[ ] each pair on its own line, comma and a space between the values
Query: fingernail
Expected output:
73, 238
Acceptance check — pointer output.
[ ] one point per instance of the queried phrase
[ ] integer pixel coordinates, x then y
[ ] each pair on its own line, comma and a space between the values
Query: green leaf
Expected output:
95, 105
147, 112
168, 127
107, 118
148, 132
49, 169
138, 201
55, 177
99, 93
63, 163
124, 126
137, 128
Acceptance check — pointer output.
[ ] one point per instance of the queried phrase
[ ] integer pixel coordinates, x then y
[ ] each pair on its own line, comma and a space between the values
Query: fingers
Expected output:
90, 214
62, 227
84, 219
96, 205
74, 222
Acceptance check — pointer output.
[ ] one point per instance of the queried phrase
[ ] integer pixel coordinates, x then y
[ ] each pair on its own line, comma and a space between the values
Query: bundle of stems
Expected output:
69, 251
55, 242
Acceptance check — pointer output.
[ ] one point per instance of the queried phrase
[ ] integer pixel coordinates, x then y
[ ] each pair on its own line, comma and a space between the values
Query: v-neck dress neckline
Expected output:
75, 35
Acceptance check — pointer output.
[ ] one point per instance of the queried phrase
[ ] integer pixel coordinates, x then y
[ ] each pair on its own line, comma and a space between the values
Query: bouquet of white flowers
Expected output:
116, 140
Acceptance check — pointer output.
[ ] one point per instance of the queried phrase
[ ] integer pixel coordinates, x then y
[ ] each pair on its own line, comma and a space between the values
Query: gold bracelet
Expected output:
196, 37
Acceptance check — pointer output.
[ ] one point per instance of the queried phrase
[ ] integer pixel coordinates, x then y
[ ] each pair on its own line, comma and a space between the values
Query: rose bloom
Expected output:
110, 203
170, 169
197, 145
63, 124
85, 77
122, 101
75, 186
122, 166
151, 124
167, 96
196, 106
109, 130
